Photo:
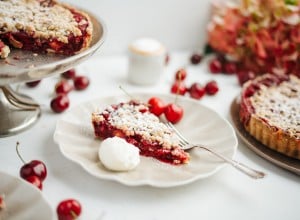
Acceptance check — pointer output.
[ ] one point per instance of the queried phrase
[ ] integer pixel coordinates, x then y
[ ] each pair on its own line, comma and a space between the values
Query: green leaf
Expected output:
291, 2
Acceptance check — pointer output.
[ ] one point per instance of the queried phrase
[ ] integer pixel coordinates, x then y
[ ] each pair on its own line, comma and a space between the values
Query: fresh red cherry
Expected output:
68, 209
33, 168
63, 87
180, 75
33, 83
81, 82
70, 74
60, 103
156, 106
215, 66
36, 181
179, 88
196, 58
173, 113
197, 91
211, 87
230, 68
244, 76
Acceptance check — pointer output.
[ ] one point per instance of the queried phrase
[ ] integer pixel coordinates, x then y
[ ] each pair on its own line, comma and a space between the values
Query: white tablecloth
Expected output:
226, 195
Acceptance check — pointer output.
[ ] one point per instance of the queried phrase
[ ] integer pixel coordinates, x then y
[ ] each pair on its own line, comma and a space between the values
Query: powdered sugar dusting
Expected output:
280, 105
46, 22
137, 120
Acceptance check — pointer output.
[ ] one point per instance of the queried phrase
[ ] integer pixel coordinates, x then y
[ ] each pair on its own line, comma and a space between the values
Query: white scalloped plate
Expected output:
75, 137
22, 200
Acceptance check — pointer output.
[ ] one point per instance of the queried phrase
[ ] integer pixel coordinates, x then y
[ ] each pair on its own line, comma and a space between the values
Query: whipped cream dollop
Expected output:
118, 155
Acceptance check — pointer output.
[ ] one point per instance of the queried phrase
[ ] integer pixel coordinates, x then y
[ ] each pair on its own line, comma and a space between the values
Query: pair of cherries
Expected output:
61, 101
172, 111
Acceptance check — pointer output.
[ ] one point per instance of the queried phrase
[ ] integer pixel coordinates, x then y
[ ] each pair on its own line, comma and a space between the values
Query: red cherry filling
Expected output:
156, 106
60, 103
173, 113
81, 82
68, 209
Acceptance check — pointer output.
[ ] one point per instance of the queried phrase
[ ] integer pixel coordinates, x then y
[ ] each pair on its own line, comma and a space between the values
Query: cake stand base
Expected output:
17, 112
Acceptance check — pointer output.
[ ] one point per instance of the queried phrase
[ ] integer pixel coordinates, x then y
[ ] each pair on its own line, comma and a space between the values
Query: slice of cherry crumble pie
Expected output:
44, 26
137, 125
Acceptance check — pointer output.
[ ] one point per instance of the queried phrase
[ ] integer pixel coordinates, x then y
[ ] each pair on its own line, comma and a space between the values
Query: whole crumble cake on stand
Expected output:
39, 38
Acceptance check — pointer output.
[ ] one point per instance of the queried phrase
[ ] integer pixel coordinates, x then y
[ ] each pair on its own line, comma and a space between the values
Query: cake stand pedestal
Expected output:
18, 112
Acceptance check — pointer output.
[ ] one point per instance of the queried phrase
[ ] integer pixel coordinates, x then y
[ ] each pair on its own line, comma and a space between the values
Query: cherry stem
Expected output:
127, 93
73, 214
19, 155
179, 82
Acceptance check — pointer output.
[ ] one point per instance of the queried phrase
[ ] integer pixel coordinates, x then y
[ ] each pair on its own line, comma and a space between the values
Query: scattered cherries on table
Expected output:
63, 87
34, 172
61, 101
220, 63
70, 81
68, 209
196, 90
196, 58
81, 82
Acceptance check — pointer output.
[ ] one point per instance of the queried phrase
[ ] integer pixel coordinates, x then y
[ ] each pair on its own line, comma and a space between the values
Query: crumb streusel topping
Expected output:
4, 50
134, 121
280, 105
42, 22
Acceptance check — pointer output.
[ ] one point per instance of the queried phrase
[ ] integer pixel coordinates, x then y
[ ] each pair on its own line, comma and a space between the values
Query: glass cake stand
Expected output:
18, 111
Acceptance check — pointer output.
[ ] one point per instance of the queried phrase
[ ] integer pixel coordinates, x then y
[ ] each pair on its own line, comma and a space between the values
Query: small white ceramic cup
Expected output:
146, 61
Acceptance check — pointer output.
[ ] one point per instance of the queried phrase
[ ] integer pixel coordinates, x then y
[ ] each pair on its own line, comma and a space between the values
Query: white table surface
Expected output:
226, 195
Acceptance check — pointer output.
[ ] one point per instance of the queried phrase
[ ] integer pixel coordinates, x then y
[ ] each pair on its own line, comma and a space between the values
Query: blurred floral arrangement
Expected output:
258, 36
